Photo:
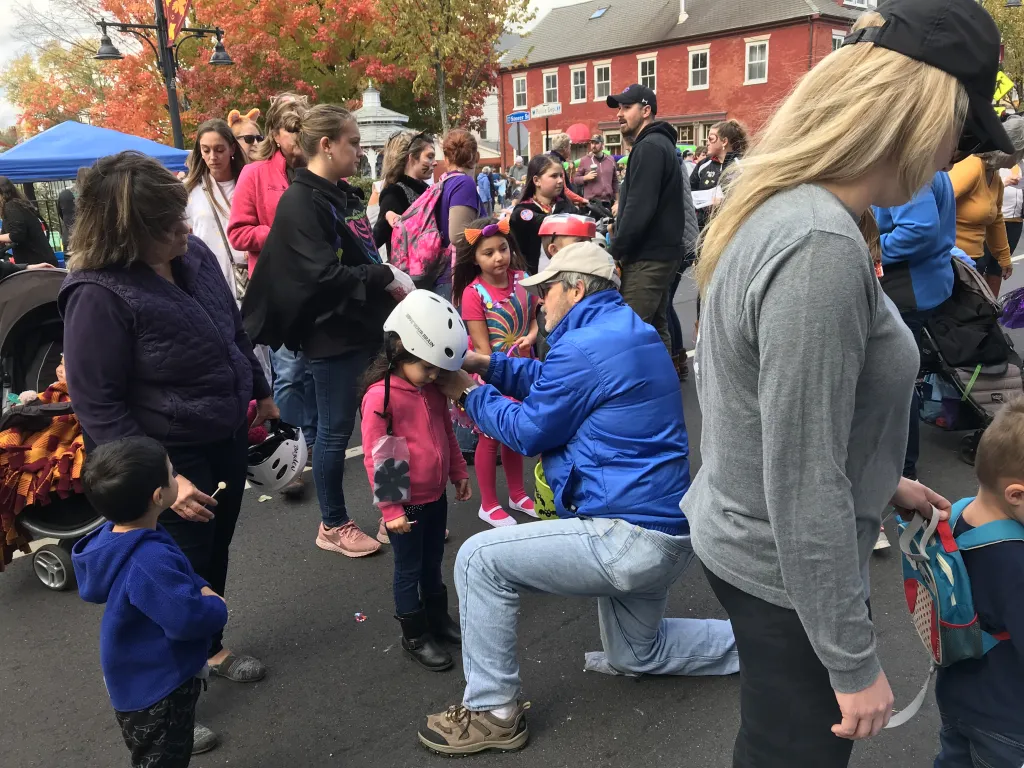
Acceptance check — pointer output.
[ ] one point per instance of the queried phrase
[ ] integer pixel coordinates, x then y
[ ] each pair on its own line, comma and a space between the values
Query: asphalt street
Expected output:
340, 692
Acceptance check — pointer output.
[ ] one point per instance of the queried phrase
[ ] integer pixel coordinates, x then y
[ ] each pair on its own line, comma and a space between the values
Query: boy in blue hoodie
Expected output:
159, 615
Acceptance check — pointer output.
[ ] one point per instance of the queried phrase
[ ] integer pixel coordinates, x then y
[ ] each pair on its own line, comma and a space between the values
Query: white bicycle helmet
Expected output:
430, 328
277, 460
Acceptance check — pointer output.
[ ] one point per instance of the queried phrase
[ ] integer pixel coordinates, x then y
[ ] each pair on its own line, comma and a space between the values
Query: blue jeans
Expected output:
294, 391
418, 555
337, 400
628, 569
966, 746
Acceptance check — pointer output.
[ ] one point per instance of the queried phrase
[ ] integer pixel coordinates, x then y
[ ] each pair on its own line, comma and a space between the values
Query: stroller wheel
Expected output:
969, 447
53, 567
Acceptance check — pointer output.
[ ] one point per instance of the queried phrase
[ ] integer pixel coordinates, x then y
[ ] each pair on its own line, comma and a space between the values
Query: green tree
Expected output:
449, 49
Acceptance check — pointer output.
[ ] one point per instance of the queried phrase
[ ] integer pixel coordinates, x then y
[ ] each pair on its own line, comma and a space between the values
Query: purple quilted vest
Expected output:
189, 383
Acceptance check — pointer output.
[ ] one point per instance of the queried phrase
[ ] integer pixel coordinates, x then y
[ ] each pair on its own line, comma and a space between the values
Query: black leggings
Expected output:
787, 705
206, 544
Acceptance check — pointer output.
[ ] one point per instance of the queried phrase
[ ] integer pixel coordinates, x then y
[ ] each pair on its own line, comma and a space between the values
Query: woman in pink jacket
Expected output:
410, 453
257, 194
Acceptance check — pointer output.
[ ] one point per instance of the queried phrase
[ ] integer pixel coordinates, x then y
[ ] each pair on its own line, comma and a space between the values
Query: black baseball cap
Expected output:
958, 37
641, 94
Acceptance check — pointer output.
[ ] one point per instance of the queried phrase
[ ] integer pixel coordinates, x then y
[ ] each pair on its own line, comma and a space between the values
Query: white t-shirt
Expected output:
204, 226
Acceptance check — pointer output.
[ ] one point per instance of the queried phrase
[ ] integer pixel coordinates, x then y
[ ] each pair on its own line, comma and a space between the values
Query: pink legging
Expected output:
486, 462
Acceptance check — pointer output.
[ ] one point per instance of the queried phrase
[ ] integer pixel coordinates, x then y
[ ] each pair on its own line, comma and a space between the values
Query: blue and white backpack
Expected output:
938, 589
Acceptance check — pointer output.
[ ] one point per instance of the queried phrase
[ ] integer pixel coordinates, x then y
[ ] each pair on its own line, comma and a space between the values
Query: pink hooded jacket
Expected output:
422, 417
254, 204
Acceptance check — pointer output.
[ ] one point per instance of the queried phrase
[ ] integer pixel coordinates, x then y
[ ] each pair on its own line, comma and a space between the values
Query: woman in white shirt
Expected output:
214, 165
1013, 204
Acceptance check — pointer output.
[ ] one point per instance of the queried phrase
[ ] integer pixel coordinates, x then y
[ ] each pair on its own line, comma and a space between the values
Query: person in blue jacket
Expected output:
918, 242
605, 412
483, 189
160, 616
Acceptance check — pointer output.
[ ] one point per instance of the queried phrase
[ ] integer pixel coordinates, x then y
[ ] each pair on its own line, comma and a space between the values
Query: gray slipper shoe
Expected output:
203, 739
240, 669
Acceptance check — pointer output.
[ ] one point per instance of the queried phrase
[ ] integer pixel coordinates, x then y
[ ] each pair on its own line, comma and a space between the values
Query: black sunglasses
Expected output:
251, 139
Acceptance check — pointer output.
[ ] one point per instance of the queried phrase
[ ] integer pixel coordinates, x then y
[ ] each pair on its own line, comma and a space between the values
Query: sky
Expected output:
11, 47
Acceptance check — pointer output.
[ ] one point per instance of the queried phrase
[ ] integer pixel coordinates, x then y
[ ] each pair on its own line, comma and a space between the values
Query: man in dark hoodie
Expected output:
160, 616
649, 232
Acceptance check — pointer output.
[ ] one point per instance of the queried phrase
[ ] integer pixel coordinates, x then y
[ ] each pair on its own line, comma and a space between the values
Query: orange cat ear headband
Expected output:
234, 116
472, 235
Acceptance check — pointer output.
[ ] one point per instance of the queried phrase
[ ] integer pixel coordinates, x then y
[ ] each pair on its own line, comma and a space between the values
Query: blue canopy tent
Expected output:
56, 154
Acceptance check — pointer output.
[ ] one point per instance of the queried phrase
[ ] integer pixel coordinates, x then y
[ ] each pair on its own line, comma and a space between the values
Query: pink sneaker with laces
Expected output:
524, 505
346, 540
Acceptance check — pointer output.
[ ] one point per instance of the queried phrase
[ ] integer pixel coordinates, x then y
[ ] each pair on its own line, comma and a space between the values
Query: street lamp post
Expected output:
166, 54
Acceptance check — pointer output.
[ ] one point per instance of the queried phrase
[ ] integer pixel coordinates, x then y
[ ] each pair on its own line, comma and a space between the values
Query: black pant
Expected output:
675, 328
915, 321
161, 735
418, 555
206, 544
787, 705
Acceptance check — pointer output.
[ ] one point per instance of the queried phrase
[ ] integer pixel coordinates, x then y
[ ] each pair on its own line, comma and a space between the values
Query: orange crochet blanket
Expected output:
35, 464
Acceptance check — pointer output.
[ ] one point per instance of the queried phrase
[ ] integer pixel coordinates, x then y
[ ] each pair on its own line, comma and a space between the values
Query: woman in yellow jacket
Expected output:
980, 228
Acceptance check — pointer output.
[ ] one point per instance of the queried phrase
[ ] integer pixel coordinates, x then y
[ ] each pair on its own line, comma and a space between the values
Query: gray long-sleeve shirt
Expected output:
805, 374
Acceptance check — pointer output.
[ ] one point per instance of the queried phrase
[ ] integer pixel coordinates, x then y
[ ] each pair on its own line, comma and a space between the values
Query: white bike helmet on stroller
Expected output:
279, 459
430, 328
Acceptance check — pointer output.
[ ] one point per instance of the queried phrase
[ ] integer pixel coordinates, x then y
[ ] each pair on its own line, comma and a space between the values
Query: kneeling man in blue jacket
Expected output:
605, 412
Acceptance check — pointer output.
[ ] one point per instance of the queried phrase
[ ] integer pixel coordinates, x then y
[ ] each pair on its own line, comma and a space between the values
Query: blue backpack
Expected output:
938, 589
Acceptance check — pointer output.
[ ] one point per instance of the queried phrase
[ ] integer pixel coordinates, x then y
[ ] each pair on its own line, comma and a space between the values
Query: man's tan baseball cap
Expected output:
585, 258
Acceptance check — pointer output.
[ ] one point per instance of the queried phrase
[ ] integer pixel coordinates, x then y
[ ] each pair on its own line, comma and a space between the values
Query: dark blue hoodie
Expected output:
157, 626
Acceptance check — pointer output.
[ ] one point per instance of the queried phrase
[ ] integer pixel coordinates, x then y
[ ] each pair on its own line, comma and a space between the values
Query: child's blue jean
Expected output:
418, 555
967, 746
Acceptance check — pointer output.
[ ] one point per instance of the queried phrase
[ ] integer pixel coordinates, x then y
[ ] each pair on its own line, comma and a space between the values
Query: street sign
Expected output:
517, 117
546, 110
518, 139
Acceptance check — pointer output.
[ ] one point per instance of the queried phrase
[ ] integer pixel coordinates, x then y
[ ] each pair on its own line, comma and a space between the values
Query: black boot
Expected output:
420, 644
441, 624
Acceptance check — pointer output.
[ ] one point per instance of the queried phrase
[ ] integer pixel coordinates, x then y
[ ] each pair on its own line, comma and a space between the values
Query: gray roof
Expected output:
569, 32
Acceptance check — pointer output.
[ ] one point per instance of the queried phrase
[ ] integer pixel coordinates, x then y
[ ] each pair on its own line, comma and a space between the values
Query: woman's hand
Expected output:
911, 495
392, 218
1007, 271
399, 525
866, 712
266, 410
463, 491
41, 265
192, 503
401, 286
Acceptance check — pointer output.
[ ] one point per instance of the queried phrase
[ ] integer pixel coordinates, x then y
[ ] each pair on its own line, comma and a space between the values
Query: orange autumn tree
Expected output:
323, 49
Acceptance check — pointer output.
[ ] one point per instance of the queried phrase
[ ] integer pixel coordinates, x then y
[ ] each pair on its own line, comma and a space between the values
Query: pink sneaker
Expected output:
347, 540
496, 516
524, 505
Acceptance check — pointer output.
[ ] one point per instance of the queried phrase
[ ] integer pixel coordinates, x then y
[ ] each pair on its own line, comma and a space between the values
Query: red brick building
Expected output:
707, 60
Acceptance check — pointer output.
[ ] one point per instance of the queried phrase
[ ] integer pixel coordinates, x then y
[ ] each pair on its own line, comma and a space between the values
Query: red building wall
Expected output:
792, 50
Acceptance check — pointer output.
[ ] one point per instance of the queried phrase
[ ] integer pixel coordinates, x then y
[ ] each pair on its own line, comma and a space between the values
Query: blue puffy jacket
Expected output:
605, 411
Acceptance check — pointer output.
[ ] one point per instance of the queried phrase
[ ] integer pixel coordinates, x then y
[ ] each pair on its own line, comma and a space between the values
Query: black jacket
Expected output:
66, 214
397, 198
316, 286
28, 235
708, 175
651, 221
526, 229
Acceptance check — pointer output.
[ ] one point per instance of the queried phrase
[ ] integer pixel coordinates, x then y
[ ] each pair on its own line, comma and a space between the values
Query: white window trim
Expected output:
706, 48
596, 65
544, 84
572, 85
750, 43
640, 59
526, 93
838, 33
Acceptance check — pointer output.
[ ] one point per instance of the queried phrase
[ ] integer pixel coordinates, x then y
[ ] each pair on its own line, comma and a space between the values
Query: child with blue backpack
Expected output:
981, 700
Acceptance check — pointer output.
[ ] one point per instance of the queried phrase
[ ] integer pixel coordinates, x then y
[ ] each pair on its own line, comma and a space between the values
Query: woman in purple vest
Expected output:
154, 345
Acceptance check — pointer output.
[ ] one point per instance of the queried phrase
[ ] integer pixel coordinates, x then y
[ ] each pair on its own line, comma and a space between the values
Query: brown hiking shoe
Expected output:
459, 731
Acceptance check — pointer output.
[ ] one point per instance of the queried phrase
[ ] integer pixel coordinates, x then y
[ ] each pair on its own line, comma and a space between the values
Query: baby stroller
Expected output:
31, 344
968, 363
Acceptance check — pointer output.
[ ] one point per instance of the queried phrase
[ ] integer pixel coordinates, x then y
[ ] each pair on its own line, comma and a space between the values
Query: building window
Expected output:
547, 141
838, 36
861, 3
602, 81
599, 13
579, 85
757, 62
550, 87
699, 66
648, 73
705, 132
613, 143
483, 130
685, 133
519, 92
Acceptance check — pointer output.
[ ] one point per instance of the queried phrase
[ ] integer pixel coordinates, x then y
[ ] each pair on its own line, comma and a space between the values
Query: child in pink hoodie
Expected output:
401, 400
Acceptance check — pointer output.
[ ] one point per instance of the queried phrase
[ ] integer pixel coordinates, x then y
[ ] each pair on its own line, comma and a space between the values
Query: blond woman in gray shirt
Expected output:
805, 370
